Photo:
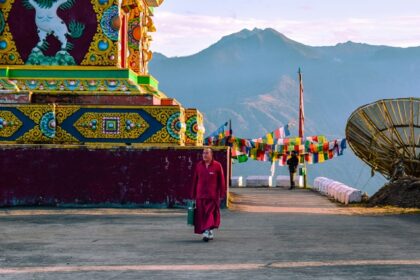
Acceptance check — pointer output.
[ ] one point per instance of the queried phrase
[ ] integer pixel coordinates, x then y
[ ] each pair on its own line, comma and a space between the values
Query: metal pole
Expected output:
230, 152
301, 125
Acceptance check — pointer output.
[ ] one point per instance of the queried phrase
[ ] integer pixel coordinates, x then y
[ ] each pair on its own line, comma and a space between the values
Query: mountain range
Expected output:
250, 77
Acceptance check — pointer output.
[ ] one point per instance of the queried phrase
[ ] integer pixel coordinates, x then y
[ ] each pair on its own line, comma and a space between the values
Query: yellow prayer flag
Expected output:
270, 140
321, 157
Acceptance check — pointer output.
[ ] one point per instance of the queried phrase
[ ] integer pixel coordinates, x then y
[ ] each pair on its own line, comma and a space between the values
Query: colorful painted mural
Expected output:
76, 81
77, 32
68, 124
194, 130
48, 32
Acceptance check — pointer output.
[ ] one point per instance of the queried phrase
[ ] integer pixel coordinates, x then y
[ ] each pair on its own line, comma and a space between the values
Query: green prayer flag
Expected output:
242, 158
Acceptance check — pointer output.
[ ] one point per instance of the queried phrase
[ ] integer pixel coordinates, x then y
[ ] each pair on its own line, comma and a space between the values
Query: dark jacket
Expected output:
293, 162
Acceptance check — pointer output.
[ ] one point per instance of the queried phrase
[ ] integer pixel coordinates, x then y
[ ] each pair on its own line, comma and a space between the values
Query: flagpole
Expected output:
302, 124
230, 152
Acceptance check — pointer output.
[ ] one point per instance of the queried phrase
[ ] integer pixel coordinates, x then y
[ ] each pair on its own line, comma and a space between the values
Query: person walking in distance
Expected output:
207, 190
292, 162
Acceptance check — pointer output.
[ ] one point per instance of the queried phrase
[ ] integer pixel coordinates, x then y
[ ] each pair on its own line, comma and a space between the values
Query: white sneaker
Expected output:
211, 234
206, 236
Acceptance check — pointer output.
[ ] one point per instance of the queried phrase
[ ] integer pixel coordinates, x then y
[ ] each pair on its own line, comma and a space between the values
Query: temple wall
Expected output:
81, 176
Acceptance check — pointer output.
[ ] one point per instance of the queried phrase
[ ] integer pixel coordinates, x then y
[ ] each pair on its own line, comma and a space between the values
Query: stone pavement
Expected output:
267, 234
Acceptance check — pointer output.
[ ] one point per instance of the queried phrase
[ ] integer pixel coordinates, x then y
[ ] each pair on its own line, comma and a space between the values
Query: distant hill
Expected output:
251, 78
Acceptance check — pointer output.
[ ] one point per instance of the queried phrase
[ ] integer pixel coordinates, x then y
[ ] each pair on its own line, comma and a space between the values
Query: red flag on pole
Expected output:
301, 109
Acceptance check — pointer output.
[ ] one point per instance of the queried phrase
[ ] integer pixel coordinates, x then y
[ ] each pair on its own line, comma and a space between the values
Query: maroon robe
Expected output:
208, 189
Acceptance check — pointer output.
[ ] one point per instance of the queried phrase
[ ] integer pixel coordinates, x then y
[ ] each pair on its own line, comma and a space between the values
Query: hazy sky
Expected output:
188, 26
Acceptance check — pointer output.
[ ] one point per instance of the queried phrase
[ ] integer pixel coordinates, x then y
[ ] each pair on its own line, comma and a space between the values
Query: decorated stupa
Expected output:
74, 73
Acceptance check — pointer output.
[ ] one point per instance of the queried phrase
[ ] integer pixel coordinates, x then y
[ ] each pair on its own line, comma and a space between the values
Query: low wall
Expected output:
259, 181
263, 181
48, 175
336, 190
237, 181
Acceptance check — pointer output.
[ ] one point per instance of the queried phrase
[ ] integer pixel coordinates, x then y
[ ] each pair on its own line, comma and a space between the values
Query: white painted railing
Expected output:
238, 181
337, 190
263, 181
259, 181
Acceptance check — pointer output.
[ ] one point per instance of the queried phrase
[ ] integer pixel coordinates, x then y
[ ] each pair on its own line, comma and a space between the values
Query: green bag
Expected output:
190, 216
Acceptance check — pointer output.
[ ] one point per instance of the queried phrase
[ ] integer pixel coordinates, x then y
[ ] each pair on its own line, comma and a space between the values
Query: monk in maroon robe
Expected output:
208, 190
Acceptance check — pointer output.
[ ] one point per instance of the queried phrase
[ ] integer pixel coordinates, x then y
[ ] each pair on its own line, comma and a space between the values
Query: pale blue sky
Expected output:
188, 26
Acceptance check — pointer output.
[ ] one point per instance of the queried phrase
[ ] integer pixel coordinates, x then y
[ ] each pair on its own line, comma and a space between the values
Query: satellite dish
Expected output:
386, 135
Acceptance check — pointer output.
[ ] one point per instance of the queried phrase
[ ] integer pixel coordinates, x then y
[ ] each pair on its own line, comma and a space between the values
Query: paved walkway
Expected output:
276, 200
268, 234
